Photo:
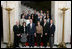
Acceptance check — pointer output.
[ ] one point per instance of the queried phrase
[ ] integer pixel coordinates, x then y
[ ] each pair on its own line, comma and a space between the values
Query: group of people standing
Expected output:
40, 29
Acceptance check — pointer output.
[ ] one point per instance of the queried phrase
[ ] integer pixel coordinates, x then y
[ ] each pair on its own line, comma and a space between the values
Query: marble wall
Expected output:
58, 20
5, 22
14, 16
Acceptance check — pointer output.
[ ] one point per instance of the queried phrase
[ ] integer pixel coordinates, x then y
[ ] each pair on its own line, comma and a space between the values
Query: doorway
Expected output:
1, 24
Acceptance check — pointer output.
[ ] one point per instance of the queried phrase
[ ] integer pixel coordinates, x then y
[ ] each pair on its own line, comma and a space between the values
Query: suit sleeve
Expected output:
54, 28
34, 28
14, 29
28, 28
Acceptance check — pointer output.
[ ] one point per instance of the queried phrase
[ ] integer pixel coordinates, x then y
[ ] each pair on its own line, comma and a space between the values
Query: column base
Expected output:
62, 45
9, 45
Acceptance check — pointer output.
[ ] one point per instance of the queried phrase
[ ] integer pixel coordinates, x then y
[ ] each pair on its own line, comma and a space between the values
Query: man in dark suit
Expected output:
31, 32
47, 13
41, 20
29, 14
35, 17
17, 34
52, 30
45, 33
48, 20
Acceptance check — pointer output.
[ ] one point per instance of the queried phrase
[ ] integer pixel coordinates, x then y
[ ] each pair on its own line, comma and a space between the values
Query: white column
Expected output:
58, 18
14, 15
68, 23
5, 22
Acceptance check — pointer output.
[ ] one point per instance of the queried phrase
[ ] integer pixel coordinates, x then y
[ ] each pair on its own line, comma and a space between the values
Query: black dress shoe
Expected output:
17, 47
29, 46
45, 46
24, 46
33, 46
37, 46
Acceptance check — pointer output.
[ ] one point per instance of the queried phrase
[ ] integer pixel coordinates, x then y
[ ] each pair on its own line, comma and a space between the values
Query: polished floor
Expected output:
4, 46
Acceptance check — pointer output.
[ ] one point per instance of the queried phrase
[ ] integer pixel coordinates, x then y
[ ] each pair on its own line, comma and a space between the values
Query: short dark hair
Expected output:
24, 22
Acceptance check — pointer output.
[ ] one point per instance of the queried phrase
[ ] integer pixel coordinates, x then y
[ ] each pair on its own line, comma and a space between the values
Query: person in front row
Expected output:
52, 30
31, 33
39, 33
24, 34
17, 34
45, 33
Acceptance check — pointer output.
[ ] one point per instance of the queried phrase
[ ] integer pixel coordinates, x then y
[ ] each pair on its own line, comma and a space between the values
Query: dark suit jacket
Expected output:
32, 30
49, 21
17, 30
41, 21
35, 18
45, 28
52, 30
22, 29
27, 16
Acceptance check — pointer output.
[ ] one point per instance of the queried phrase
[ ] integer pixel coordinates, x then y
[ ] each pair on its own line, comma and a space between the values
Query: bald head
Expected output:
17, 22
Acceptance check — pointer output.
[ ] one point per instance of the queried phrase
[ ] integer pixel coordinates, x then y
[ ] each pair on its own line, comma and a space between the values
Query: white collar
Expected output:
24, 26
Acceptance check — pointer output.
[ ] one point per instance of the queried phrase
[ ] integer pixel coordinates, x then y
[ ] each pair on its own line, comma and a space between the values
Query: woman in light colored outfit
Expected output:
39, 33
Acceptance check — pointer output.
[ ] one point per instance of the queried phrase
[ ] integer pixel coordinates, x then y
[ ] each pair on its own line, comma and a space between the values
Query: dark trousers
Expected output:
31, 40
51, 41
38, 39
16, 41
45, 40
48, 38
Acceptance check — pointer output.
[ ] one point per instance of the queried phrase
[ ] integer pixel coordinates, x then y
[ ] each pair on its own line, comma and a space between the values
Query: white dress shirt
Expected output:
24, 28
31, 25
40, 20
44, 24
51, 25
